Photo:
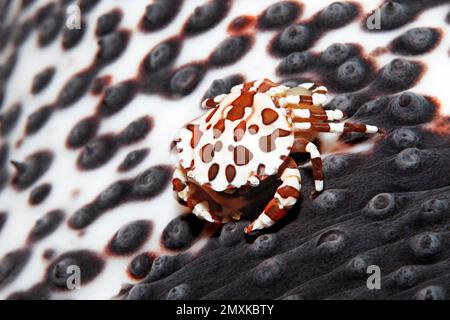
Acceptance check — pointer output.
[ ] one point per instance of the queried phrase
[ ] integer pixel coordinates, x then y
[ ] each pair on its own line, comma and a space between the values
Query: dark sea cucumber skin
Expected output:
388, 207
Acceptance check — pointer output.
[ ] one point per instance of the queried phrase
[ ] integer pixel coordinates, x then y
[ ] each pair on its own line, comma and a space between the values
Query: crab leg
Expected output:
303, 145
285, 197
335, 127
324, 115
199, 208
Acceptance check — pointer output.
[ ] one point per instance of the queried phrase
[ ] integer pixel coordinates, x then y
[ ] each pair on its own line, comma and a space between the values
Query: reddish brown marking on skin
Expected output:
210, 115
178, 185
219, 128
267, 143
273, 211
242, 156
307, 100
354, 127
230, 172
196, 134
317, 168
237, 111
218, 146
269, 116
288, 191
253, 129
321, 127
210, 103
208, 126
247, 86
212, 172
266, 85
207, 153
239, 131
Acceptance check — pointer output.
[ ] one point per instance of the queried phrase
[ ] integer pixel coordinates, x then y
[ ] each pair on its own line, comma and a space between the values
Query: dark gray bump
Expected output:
185, 80
329, 199
278, 14
83, 217
332, 241
426, 245
130, 237
59, 275
9, 118
295, 38
162, 267
151, 182
432, 292
381, 206
180, 292
351, 73
406, 277
434, 210
181, 232
112, 195
12, 264
416, 41
336, 54
295, 62
411, 108
265, 245
269, 271
394, 15
231, 233
410, 160
141, 265
403, 138
141, 291
399, 74
337, 14
230, 50
357, 266
46, 225
336, 164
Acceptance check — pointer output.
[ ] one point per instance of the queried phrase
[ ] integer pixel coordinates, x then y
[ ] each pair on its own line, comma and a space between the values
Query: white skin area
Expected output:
168, 115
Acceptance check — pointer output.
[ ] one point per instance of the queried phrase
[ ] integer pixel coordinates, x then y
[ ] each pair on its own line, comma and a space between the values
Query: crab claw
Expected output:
249, 229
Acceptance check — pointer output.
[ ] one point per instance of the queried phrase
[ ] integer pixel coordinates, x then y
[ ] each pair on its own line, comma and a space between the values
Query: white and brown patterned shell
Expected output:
246, 137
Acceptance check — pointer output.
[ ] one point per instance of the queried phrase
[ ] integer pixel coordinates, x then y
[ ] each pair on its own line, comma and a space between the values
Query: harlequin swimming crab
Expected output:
248, 136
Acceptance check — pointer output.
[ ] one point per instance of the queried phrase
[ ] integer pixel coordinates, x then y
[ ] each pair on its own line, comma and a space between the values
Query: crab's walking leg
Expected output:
304, 145
199, 208
285, 197
336, 127
324, 115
